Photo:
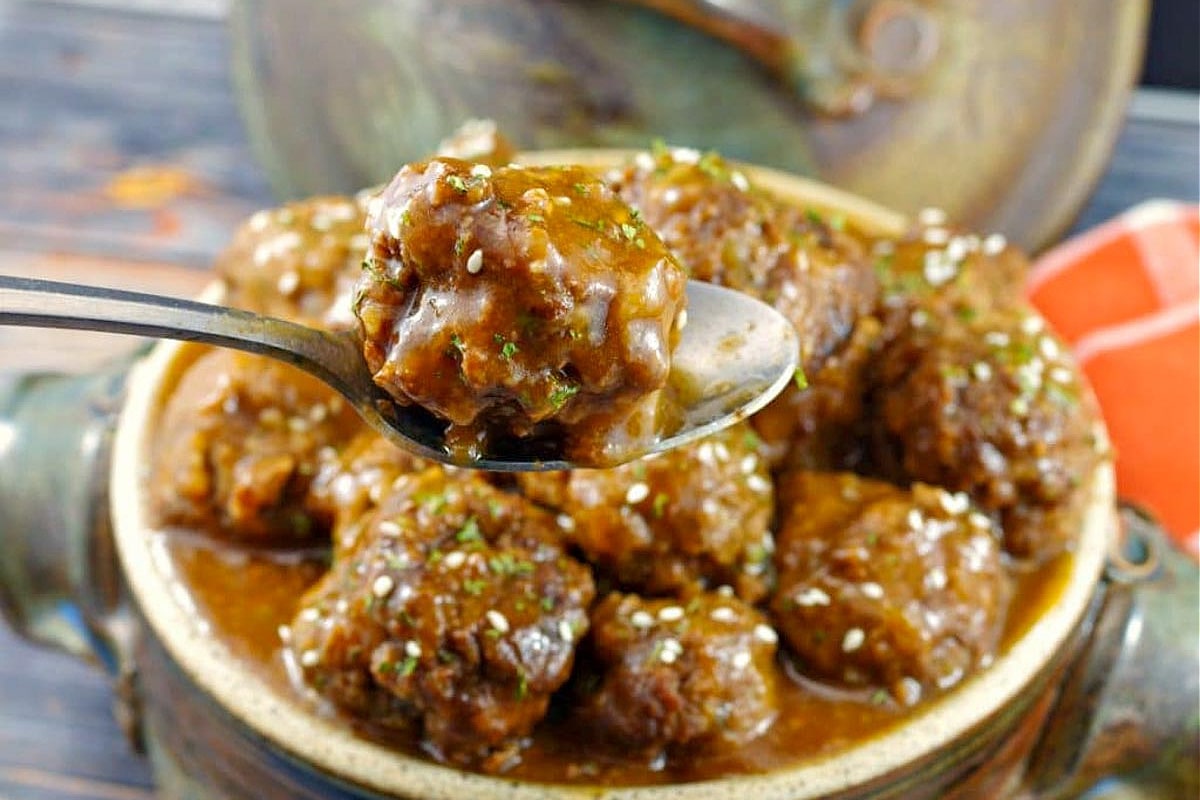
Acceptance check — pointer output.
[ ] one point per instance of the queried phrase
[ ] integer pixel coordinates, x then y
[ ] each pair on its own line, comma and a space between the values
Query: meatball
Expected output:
724, 231
353, 480
886, 587
517, 302
676, 678
693, 517
994, 407
241, 438
817, 424
455, 613
299, 262
939, 271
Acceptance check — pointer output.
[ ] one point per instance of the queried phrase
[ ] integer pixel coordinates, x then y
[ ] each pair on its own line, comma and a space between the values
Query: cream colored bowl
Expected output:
939, 743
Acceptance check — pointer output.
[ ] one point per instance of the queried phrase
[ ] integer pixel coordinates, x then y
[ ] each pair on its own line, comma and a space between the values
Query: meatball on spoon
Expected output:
734, 356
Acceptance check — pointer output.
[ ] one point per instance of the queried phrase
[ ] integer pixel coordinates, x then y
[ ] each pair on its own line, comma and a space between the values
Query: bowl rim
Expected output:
288, 723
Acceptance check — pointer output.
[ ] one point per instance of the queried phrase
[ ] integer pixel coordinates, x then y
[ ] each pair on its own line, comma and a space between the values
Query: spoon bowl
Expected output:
735, 355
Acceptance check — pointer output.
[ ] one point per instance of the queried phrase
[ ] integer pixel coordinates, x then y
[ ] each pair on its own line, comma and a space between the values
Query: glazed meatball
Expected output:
886, 587
241, 438
455, 613
353, 480
675, 678
514, 302
994, 407
299, 262
693, 517
725, 231
939, 271
817, 424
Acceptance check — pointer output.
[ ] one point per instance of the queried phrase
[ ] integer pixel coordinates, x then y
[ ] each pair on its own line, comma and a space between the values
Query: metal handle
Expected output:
49, 304
59, 579
1127, 719
839, 55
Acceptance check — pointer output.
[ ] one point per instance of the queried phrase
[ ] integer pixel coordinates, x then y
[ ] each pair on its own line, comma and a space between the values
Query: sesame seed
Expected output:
935, 236
909, 691
1048, 348
412, 648
670, 613
1032, 325
979, 520
883, 247
725, 590
566, 522
641, 619
285, 634
872, 590
811, 596
915, 520
686, 155
564, 631
996, 338
310, 658
644, 161
310, 614
298, 425
853, 640
757, 483
389, 527
637, 493
918, 318
667, 656
1019, 407
931, 216
957, 249
765, 634
288, 282
723, 614
271, 416
475, 262
993, 244
936, 578
741, 659
341, 606
318, 413
497, 620
938, 268
955, 503
710, 506
383, 586
1061, 375
455, 559
981, 370
481, 171
739, 180
705, 454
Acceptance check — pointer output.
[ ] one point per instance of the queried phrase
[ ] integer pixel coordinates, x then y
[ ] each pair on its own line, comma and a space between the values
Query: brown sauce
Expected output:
245, 597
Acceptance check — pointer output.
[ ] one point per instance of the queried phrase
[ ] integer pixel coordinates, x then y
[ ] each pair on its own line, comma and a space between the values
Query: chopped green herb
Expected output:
508, 350
581, 188
660, 504
814, 216
469, 532
457, 343
880, 697
562, 393
630, 231
547, 603
457, 183
535, 218
800, 379
522, 685
433, 502
474, 586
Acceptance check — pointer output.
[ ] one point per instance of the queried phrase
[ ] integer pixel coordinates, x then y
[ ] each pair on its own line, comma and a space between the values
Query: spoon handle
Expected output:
50, 304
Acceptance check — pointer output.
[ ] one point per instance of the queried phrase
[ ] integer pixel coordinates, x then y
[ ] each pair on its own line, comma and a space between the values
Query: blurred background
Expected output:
135, 135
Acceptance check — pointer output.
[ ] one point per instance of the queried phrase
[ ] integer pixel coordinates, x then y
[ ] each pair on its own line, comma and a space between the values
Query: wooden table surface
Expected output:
123, 162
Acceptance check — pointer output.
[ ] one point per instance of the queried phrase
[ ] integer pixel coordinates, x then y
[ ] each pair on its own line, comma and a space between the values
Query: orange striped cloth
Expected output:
1126, 296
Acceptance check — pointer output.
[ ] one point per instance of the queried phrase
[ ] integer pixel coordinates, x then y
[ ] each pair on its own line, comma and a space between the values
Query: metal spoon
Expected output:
736, 354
